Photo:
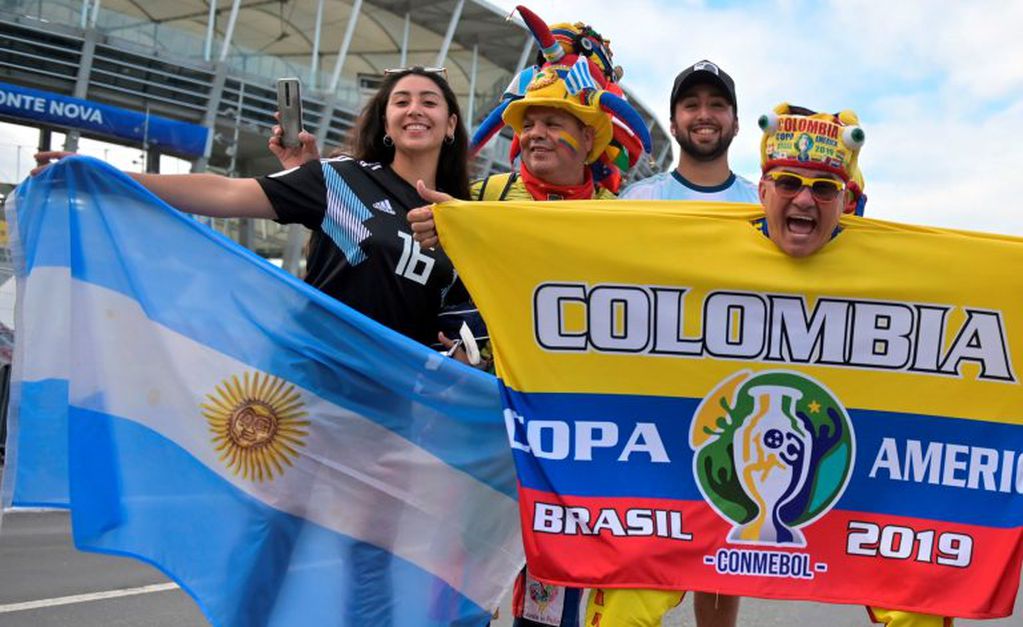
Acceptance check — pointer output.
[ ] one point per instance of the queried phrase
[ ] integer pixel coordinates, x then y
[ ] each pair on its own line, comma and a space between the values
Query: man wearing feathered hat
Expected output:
574, 135
574, 132
810, 177
559, 135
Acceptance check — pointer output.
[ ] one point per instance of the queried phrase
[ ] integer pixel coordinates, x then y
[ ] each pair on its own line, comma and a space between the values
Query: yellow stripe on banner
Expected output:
958, 291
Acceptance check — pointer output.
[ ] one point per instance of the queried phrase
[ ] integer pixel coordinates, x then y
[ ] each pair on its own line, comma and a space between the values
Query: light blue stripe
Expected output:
27, 221
136, 493
343, 240
200, 284
579, 77
582, 72
38, 446
517, 86
345, 215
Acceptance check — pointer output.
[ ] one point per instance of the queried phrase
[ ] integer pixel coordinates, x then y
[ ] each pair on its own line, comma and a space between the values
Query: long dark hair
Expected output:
367, 139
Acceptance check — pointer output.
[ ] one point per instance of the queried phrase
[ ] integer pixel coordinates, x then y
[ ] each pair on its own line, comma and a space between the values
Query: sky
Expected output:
938, 86
18, 144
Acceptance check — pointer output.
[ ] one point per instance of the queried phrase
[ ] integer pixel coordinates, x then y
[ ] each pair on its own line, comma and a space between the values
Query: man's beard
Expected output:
704, 153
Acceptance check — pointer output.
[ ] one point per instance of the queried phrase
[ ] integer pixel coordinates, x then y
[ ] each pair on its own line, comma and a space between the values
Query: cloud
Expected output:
938, 87
16, 150
973, 47
942, 170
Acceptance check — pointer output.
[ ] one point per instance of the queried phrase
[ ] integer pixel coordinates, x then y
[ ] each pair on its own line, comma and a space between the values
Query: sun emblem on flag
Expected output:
257, 424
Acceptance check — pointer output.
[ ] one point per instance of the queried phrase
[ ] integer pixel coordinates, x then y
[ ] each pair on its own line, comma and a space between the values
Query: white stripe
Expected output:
41, 347
283, 172
579, 77
83, 598
459, 312
131, 367
17, 509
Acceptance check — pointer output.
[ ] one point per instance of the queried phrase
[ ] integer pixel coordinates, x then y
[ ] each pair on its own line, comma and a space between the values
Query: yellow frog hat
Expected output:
798, 137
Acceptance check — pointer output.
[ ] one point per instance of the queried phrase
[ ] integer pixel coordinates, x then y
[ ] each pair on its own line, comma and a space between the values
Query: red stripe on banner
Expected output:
914, 564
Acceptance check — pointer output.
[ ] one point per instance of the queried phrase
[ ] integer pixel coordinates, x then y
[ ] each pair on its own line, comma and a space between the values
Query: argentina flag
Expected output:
286, 460
579, 77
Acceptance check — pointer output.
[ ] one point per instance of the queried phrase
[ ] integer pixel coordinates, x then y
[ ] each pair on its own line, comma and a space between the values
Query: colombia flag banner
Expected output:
691, 409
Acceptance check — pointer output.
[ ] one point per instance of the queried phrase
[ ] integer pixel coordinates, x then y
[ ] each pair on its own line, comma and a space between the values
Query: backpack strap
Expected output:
496, 187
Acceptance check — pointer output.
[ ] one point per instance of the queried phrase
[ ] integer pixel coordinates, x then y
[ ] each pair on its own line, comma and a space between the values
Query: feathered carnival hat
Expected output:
574, 73
798, 137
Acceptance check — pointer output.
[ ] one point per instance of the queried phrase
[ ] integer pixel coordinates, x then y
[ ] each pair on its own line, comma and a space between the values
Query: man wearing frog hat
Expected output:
810, 177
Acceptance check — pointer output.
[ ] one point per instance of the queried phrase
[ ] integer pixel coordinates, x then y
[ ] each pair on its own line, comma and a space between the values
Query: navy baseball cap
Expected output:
703, 72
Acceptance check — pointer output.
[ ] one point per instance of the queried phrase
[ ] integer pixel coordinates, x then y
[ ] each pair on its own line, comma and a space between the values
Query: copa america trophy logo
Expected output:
774, 452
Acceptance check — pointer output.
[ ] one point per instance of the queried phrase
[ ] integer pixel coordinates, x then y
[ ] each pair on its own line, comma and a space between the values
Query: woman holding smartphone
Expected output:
410, 131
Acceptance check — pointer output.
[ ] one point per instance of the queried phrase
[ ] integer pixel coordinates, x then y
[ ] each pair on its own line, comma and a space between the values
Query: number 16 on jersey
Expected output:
413, 264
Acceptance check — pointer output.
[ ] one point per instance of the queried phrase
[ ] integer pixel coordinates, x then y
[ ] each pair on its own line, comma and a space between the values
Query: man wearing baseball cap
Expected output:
704, 120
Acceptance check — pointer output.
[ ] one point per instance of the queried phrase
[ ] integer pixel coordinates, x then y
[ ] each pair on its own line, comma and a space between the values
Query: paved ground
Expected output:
39, 564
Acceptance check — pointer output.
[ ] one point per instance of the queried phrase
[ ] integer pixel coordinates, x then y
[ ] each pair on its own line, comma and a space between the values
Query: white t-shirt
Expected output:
673, 186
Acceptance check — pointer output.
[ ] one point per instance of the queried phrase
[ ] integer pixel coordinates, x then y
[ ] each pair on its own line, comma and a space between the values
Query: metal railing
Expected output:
126, 74
156, 67
162, 39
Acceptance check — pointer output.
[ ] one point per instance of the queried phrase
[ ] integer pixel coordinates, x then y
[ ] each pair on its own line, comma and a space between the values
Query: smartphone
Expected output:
289, 103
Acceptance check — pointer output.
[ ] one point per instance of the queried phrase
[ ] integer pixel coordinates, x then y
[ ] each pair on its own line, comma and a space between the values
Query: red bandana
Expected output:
540, 190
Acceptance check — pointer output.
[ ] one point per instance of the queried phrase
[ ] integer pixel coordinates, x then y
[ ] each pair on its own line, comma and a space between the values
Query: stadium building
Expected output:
195, 79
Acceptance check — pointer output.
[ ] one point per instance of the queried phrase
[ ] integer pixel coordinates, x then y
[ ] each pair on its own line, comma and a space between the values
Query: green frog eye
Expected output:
853, 137
768, 123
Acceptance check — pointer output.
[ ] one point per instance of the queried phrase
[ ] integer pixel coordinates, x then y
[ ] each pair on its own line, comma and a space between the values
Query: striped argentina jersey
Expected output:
673, 186
362, 252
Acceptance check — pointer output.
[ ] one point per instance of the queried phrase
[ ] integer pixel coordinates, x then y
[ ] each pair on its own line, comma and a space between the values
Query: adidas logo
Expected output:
383, 205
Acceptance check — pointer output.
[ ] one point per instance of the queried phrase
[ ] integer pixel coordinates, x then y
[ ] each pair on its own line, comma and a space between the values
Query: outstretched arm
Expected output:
210, 195
203, 194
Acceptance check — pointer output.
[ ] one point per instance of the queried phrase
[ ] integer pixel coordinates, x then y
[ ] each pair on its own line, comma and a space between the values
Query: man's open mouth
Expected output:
801, 225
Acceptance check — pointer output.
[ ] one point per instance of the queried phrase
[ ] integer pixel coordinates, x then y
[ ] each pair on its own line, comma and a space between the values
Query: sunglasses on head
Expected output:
439, 71
789, 184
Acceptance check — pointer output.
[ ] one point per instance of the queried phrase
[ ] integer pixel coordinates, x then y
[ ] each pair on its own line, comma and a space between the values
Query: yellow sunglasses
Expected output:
789, 184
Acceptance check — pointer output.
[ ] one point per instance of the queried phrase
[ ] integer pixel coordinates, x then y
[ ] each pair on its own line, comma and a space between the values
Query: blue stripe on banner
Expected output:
40, 472
604, 475
345, 215
985, 454
279, 569
202, 285
43, 106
